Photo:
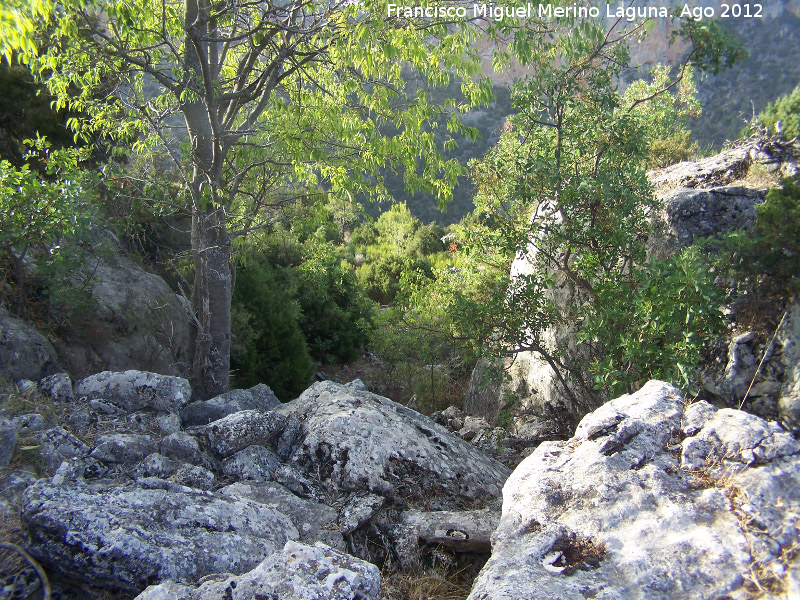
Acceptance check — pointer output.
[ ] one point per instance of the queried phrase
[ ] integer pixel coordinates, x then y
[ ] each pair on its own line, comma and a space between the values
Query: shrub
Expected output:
273, 350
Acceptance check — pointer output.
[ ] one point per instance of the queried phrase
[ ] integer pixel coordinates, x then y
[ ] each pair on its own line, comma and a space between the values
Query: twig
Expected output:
36, 567
763, 356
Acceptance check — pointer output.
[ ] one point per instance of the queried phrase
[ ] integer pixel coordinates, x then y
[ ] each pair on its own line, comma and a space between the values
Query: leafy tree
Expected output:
566, 189
44, 215
275, 99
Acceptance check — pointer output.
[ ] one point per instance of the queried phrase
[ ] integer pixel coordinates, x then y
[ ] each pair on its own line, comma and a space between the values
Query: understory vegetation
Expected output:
321, 278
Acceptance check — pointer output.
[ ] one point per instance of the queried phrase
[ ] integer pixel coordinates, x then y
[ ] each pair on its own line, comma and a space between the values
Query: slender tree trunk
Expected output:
211, 302
211, 244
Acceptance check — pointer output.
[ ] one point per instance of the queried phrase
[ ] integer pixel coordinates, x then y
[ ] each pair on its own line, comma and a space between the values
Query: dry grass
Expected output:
425, 586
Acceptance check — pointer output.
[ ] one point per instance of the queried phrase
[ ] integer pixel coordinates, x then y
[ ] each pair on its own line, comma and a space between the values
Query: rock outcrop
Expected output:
354, 440
339, 466
650, 499
139, 324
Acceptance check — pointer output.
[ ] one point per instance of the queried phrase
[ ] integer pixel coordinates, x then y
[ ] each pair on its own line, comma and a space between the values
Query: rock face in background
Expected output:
140, 323
699, 199
24, 352
651, 500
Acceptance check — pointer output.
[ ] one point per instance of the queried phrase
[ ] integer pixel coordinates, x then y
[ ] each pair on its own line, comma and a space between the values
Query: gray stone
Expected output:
13, 482
731, 439
472, 427
135, 390
717, 170
259, 397
483, 398
24, 352
58, 387
464, 531
314, 521
58, 445
359, 441
241, 429
140, 323
299, 572
8, 441
788, 339
182, 446
617, 513
169, 423
195, 477
112, 535
125, 448
255, 463
30, 423
358, 510
156, 465
688, 214
78, 469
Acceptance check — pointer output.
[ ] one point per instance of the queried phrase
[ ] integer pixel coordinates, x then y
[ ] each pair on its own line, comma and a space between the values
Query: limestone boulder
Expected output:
135, 390
649, 500
259, 397
24, 352
354, 441
140, 323
129, 536
298, 572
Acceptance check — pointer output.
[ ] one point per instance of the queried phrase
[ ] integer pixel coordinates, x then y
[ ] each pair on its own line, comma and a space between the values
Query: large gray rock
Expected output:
139, 322
259, 397
464, 531
241, 429
688, 214
113, 535
353, 441
24, 352
617, 513
315, 522
135, 390
299, 572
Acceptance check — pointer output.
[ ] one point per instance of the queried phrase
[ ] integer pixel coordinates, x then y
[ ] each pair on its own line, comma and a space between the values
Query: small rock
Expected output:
58, 387
135, 390
58, 445
156, 465
183, 447
169, 423
195, 477
244, 428
358, 510
29, 423
254, 463
125, 448
8, 441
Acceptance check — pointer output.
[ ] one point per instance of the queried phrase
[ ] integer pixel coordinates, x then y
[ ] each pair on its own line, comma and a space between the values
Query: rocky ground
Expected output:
118, 482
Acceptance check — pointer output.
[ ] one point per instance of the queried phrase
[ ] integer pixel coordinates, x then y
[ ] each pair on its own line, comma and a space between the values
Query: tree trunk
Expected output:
211, 302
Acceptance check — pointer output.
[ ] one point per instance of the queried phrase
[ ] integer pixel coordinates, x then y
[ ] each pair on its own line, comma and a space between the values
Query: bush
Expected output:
785, 109
272, 349
334, 315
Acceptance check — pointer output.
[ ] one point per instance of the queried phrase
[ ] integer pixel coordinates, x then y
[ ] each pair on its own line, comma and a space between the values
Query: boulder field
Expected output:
244, 498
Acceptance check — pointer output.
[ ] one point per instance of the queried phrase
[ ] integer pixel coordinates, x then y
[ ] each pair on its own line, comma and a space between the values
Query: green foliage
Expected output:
334, 316
382, 278
766, 259
660, 327
785, 109
45, 218
566, 190
272, 349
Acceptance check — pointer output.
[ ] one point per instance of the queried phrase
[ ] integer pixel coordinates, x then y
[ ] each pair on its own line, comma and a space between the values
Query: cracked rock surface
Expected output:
130, 536
649, 500
353, 440
299, 572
